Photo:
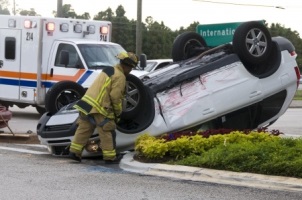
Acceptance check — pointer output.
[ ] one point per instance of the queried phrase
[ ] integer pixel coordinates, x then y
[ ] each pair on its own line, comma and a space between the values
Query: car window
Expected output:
149, 66
161, 65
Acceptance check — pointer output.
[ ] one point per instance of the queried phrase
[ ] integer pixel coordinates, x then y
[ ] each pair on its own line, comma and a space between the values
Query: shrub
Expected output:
275, 157
151, 147
183, 146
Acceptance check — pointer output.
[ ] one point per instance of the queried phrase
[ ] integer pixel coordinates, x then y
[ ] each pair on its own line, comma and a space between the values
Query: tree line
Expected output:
157, 38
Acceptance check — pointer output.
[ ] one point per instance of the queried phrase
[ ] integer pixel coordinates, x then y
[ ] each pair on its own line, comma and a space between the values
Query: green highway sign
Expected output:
217, 34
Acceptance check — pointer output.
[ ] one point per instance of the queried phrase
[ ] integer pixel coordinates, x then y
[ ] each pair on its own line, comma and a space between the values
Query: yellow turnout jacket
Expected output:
106, 93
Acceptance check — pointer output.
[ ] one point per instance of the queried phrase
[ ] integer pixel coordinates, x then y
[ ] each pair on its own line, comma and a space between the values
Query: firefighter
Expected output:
101, 107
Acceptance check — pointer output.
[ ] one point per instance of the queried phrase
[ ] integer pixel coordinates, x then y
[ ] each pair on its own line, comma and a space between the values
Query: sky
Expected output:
181, 13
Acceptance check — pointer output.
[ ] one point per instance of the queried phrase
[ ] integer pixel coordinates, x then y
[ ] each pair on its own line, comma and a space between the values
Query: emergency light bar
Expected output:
77, 28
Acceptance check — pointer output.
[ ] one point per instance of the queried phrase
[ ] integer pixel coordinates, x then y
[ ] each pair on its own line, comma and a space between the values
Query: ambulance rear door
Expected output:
10, 48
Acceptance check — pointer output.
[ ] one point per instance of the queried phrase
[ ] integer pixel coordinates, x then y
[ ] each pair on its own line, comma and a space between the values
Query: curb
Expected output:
210, 175
131, 165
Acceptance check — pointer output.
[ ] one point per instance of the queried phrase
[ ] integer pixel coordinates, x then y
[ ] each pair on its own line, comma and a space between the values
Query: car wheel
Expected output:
134, 97
40, 110
252, 42
187, 45
62, 94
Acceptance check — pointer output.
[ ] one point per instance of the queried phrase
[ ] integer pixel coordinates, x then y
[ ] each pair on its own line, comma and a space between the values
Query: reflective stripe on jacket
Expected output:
106, 93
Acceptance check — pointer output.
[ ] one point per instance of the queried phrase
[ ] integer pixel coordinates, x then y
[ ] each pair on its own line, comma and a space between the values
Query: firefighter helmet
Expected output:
128, 58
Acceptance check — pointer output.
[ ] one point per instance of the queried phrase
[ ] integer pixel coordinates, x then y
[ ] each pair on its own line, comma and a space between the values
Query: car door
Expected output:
187, 104
233, 87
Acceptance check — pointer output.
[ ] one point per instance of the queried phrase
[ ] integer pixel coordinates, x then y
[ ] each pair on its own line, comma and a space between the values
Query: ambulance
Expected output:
50, 62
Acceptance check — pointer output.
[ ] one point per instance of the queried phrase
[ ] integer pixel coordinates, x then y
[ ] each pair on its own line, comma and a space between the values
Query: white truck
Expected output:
48, 62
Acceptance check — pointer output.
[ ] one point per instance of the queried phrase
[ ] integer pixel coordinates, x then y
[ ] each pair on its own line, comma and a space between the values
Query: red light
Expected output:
293, 53
298, 75
50, 27
104, 30
27, 24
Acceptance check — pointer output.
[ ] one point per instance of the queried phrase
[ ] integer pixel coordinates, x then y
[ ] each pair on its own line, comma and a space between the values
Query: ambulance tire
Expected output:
134, 98
61, 94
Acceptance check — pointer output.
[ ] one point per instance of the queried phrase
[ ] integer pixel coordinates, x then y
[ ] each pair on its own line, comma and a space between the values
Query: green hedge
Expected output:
254, 152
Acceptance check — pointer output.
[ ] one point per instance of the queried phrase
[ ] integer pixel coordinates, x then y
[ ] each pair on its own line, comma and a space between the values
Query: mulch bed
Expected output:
143, 159
19, 138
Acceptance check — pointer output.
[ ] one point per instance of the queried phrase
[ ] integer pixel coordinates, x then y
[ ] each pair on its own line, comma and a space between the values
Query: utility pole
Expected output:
14, 9
59, 8
139, 28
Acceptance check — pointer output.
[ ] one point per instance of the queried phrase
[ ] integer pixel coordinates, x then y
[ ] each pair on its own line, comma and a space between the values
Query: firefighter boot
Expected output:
117, 160
75, 156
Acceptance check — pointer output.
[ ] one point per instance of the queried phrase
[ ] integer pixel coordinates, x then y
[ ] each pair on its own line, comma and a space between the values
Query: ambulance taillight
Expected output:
50, 27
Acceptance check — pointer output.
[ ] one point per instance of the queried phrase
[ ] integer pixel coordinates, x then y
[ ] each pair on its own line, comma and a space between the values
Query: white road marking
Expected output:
23, 150
34, 145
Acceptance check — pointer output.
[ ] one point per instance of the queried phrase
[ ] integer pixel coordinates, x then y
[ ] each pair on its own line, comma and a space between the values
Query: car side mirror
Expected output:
142, 61
64, 58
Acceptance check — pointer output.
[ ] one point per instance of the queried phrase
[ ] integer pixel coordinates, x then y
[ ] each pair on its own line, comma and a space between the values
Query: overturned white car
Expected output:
246, 84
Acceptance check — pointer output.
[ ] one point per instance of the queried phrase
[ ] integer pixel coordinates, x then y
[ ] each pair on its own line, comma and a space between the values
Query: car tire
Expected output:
62, 94
40, 110
252, 42
134, 98
187, 45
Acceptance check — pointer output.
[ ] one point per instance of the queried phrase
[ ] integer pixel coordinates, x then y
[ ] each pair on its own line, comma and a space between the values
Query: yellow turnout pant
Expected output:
85, 129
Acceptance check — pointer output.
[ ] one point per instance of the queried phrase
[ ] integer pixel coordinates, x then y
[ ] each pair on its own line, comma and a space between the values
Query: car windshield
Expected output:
149, 66
99, 56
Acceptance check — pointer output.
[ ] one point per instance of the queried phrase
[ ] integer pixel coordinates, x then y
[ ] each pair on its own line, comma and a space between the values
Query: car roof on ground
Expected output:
160, 60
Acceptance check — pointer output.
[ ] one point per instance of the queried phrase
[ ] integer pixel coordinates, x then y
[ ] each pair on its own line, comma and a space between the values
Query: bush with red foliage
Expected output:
208, 133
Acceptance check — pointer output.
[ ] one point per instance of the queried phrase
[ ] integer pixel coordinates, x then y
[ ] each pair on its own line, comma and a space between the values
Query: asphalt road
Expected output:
289, 123
29, 172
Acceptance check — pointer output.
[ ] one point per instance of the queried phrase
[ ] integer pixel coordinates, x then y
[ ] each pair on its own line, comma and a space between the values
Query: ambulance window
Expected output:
73, 60
10, 48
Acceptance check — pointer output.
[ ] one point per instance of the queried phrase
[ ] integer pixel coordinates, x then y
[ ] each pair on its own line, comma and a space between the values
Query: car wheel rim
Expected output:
190, 45
66, 97
132, 97
256, 42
